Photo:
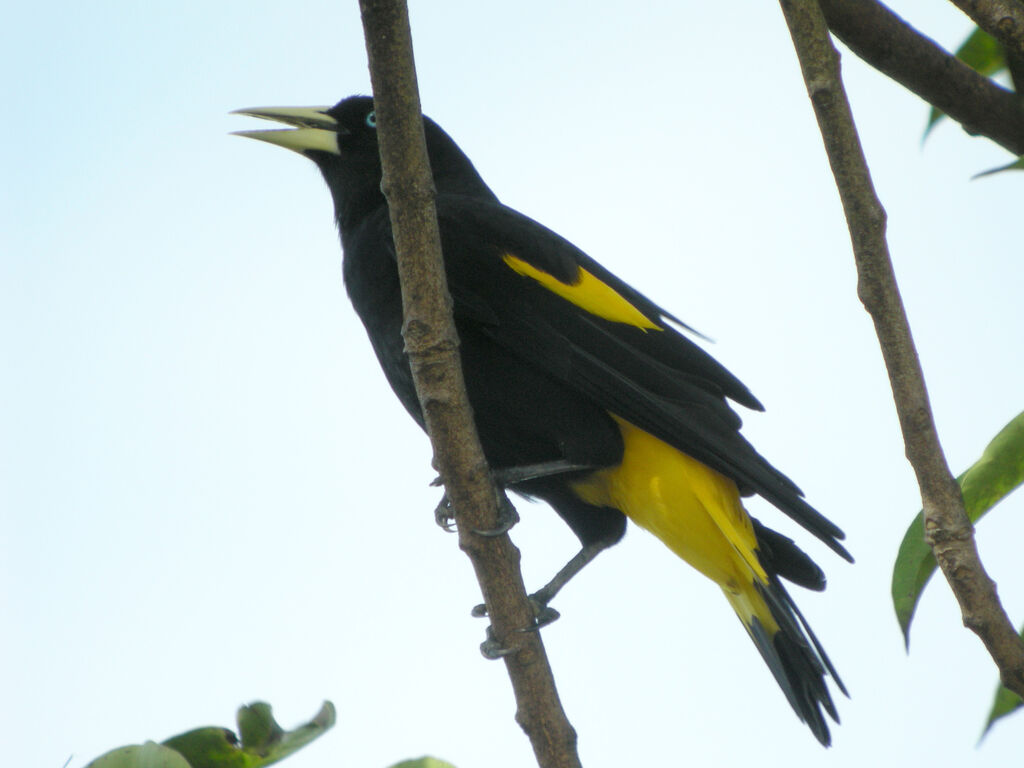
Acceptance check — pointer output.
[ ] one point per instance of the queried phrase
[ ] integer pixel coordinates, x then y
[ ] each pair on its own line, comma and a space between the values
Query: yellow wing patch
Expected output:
587, 293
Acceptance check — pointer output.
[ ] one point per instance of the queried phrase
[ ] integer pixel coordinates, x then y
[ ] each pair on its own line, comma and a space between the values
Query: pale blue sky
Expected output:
208, 495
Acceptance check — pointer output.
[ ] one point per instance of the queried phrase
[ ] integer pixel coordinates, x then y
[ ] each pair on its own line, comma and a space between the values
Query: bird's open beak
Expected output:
313, 128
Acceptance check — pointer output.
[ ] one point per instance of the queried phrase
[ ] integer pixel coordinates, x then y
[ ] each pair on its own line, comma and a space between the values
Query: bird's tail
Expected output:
790, 650
698, 514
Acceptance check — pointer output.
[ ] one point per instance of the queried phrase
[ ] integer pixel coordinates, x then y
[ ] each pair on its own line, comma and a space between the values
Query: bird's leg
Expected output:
543, 613
506, 477
579, 561
509, 477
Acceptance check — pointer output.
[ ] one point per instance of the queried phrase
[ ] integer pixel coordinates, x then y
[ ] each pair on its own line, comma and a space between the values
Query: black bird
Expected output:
581, 385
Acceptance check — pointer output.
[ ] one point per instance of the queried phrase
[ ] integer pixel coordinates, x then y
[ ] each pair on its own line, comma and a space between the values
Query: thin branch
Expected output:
1003, 19
893, 47
432, 346
946, 527
1015, 66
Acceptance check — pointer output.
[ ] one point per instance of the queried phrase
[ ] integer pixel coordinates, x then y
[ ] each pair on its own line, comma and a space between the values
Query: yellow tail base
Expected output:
693, 509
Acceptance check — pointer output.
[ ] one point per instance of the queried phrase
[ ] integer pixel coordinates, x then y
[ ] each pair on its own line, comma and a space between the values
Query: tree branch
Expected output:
946, 527
893, 47
1003, 19
432, 345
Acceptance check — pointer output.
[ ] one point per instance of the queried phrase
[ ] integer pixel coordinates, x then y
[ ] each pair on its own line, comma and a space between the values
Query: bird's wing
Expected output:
544, 300
488, 229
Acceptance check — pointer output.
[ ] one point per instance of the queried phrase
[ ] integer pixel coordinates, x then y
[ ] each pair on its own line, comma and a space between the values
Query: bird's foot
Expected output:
443, 515
507, 516
506, 477
543, 614
492, 649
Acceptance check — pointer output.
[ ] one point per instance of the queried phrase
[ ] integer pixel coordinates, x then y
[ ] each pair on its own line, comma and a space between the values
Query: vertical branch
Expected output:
946, 527
432, 345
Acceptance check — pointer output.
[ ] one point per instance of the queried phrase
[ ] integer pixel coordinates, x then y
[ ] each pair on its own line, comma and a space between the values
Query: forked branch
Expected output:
946, 527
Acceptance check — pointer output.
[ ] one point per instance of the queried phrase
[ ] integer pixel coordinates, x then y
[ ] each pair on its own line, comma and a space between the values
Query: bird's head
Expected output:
342, 141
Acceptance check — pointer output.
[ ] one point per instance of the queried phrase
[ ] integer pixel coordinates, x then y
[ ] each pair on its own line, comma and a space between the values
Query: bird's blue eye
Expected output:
371, 119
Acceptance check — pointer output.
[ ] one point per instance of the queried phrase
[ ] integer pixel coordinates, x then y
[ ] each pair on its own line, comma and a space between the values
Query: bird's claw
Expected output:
492, 649
543, 614
507, 518
443, 515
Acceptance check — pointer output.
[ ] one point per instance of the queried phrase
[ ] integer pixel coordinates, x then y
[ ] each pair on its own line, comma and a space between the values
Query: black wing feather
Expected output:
659, 380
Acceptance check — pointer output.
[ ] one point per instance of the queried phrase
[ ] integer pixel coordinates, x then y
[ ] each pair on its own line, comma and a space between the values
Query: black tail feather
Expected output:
797, 660
780, 555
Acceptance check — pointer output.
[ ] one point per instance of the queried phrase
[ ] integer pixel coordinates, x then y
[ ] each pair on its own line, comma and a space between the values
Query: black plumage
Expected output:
570, 369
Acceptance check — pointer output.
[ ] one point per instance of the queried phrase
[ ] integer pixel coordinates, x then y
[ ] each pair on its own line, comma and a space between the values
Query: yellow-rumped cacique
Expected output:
585, 395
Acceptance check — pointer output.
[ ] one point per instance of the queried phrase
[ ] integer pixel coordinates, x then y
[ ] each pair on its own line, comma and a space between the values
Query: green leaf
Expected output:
1004, 702
1017, 165
263, 742
999, 470
423, 762
273, 742
981, 52
148, 755
256, 726
210, 747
